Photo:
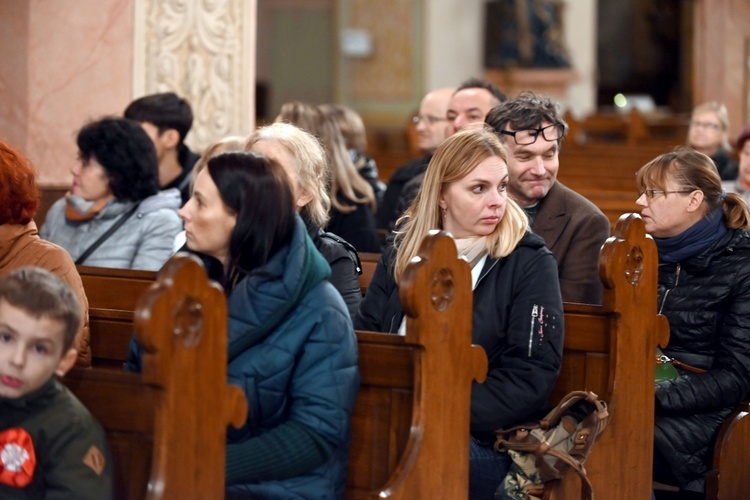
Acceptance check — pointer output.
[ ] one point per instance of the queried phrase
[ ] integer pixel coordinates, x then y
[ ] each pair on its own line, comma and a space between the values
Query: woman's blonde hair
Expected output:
310, 162
229, 143
351, 125
454, 159
346, 182
694, 170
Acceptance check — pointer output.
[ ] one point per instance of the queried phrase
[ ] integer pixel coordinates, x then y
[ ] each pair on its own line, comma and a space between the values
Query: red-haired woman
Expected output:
20, 244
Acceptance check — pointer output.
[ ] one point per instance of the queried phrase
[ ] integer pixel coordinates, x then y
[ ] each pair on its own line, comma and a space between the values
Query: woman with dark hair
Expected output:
20, 244
292, 347
704, 291
115, 215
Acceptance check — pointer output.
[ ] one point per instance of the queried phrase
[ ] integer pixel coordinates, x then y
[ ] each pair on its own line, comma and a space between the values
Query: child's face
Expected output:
31, 351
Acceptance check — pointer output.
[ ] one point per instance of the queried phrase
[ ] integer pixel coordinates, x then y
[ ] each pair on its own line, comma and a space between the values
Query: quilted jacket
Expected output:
706, 299
302, 373
144, 241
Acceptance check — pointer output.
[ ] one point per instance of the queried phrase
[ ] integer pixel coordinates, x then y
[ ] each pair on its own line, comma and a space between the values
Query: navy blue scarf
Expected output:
694, 239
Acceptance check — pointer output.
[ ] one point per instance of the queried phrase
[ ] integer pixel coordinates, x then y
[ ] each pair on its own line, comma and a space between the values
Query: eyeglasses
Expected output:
708, 125
525, 137
651, 193
432, 120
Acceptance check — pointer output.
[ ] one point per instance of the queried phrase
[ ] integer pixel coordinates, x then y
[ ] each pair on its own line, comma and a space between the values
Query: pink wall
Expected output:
62, 63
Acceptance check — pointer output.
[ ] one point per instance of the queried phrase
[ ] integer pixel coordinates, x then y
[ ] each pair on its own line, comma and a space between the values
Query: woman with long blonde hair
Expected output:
517, 315
352, 198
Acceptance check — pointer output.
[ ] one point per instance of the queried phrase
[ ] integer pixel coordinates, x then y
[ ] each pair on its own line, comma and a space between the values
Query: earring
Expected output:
443, 211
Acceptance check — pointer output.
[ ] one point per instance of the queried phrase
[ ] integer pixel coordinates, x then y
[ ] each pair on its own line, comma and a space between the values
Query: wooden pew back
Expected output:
608, 349
399, 449
410, 427
369, 262
112, 295
163, 423
605, 174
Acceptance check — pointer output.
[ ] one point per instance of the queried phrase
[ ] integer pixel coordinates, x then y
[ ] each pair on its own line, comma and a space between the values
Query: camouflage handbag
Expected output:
545, 450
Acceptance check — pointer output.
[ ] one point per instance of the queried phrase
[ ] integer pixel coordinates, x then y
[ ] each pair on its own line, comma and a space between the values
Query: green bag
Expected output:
665, 369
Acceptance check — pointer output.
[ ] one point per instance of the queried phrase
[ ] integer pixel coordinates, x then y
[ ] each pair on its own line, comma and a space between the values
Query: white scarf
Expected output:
472, 249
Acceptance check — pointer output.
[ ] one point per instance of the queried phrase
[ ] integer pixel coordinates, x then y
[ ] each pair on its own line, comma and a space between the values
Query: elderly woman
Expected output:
304, 161
20, 244
704, 291
518, 312
115, 215
708, 133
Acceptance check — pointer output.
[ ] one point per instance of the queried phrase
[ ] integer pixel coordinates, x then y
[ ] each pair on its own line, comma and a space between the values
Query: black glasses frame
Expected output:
534, 133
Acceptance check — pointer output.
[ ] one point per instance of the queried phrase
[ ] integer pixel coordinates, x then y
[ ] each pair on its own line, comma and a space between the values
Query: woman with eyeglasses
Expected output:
708, 133
704, 291
517, 309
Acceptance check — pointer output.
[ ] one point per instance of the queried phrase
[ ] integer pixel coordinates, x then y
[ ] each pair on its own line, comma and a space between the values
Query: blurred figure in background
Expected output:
115, 215
709, 134
741, 184
355, 137
167, 119
353, 202
432, 129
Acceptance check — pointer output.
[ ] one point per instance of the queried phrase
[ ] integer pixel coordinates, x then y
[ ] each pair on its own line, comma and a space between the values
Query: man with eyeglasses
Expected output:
432, 129
572, 227
468, 107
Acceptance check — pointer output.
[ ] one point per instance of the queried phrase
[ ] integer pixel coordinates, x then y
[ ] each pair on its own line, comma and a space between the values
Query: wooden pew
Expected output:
634, 128
112, 294
608, 349
605, 174
400, 447
163, 424
369, 262
729, 478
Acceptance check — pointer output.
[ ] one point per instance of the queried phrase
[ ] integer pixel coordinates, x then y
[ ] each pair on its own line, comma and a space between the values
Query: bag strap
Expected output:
587, 490
114, 227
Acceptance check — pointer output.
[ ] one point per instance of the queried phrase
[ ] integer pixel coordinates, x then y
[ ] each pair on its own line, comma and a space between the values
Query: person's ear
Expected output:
67, 362
695, 201
304, 198
170, 138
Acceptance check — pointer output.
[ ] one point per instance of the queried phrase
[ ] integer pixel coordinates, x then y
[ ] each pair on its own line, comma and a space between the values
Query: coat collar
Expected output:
553, 214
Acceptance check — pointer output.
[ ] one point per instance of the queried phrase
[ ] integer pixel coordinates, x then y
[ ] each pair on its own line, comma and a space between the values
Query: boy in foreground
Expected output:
50, 445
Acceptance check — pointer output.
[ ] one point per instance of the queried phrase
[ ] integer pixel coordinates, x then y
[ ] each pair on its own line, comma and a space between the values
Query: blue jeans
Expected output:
487, 469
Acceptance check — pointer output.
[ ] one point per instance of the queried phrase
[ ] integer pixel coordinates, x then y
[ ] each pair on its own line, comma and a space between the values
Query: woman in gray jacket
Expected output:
115, 215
